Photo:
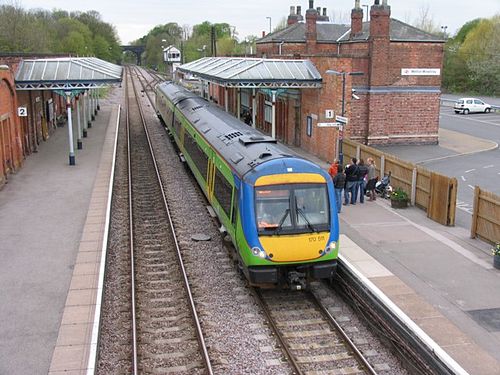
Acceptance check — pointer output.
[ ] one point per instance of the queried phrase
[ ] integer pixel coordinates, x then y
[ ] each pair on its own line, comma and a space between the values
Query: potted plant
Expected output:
399, 198
496, 256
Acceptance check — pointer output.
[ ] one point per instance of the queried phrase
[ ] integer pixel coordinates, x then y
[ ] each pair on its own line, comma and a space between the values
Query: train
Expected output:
278, 208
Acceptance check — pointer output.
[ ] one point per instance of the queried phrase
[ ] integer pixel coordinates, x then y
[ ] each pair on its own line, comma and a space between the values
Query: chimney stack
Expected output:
292, 17
311, 33
299, 9
323, 17
380, 19
356, 20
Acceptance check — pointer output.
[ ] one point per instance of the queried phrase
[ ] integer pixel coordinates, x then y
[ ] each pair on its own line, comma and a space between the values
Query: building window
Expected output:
245, 98
309, 127
268, 111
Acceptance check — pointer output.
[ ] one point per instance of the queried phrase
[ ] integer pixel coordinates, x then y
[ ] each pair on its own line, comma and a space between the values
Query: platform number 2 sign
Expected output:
22, 111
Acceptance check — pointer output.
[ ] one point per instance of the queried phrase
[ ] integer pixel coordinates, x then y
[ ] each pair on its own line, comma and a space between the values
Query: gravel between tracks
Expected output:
238, 340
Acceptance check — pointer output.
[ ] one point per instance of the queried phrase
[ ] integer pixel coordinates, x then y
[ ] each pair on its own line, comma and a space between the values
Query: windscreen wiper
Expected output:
311, 227
282, 220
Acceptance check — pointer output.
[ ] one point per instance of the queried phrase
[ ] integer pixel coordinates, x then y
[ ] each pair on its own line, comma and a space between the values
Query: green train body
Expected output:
277, 208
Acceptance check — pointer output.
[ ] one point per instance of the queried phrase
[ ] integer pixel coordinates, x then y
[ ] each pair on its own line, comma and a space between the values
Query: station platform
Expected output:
438, 276
52, 223
52, 219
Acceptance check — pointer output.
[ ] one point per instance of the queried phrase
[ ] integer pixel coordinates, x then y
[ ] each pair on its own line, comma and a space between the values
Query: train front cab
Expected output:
295, 230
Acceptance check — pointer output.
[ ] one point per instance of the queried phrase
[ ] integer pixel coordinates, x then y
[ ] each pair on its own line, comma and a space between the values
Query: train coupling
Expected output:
297, 280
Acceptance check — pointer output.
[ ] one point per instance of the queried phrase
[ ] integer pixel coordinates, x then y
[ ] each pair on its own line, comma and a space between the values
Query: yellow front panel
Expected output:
290, 178
295, 248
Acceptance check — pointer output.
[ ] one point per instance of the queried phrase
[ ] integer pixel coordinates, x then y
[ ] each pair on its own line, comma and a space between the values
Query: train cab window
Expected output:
300, 208
311, 207
273, 209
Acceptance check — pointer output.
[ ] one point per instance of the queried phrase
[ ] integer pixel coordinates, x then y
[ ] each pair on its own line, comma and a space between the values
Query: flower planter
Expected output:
496, 261
399, 203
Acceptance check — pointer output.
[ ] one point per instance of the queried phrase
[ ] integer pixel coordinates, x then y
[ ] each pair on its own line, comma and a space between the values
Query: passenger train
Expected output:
278, 208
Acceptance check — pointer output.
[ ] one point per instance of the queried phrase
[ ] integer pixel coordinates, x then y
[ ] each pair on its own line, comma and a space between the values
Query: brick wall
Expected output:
11, 152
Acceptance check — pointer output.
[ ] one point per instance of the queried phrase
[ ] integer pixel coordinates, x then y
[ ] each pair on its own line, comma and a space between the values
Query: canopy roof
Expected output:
255, 73
66, 73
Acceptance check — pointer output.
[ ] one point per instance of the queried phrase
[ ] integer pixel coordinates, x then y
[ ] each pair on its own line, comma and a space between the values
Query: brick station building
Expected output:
398, 91
21, 135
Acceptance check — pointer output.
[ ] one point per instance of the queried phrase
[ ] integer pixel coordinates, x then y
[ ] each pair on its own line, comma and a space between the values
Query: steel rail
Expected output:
284, 345
131, 220
199, 332
335, 325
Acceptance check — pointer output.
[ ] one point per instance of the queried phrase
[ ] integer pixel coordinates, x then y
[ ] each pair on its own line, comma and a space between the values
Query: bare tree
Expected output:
424, 20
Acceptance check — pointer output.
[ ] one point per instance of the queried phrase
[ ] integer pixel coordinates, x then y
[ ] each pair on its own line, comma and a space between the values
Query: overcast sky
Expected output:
133, 19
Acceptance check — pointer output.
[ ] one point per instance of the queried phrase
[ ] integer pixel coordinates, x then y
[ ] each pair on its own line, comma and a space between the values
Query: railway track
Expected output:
302, 324
242, 341
167, 335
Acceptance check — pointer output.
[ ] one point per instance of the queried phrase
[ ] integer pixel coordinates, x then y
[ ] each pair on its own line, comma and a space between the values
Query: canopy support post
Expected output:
70, 129
84, 110
273, 114
254, 108
79, 144
238, 103
89, 108
226, 99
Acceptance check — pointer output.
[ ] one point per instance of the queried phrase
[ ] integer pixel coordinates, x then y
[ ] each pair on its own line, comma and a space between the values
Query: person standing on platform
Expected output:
339, 183
334, 168
351, 177
372, 179
360, 184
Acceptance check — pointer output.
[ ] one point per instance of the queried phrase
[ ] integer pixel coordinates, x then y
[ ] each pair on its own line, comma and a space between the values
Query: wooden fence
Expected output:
430, 191
486, 216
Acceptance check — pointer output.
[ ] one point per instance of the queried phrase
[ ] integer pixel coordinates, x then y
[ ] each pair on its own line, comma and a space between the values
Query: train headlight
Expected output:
259, 252
331, 247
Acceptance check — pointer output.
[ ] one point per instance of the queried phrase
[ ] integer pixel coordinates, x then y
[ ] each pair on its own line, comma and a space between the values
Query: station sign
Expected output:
341, 119
22, 111
328, 124
420, 72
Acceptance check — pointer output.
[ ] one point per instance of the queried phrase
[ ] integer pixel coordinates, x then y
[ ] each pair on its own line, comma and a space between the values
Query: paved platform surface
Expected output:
437, 275
43, 215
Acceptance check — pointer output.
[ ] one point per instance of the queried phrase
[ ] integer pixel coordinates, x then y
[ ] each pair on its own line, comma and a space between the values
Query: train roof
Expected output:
243, 147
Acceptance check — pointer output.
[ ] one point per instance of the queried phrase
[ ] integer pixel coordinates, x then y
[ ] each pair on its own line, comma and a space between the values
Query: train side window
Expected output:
200, 159
177, 125
223, 191
235, 207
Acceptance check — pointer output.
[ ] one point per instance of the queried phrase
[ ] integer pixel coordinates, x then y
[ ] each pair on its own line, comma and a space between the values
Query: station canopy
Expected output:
68, 73
254, 73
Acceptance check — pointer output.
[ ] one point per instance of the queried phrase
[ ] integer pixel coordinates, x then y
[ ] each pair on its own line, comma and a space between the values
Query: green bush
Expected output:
496, 249
399, 195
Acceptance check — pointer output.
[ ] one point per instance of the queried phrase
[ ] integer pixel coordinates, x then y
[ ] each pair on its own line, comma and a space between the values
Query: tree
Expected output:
481, 52
472, 58
425, 22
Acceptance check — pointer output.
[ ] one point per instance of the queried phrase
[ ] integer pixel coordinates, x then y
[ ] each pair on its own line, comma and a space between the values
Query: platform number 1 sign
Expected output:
22, 111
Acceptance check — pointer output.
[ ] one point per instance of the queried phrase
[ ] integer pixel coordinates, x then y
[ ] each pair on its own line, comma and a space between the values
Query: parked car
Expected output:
466, 105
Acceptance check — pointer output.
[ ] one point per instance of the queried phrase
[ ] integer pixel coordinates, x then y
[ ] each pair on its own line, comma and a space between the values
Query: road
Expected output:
476, 161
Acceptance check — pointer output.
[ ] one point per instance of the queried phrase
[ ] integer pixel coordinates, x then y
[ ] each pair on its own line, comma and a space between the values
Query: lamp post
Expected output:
269, 18
443, 29
341, 128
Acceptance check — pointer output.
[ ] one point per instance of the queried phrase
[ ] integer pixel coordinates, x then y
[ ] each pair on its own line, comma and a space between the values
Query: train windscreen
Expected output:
297, 208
